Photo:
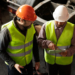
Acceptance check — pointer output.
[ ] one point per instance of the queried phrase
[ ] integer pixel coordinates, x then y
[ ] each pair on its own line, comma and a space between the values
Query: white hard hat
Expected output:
61, 14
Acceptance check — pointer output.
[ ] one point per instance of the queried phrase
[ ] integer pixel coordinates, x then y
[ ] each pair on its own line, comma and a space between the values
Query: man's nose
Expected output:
58, 23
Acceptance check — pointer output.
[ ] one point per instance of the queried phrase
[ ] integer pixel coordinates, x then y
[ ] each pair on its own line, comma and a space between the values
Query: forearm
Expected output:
42, 41
4, 41
4, 56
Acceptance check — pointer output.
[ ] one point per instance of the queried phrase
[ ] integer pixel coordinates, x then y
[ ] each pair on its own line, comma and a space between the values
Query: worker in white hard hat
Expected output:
58, 36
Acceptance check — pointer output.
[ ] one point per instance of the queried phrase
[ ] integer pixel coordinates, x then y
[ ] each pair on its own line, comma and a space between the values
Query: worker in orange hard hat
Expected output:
18, 43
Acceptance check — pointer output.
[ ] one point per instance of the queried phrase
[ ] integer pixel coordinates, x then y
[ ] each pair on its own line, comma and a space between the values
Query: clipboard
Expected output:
56, 51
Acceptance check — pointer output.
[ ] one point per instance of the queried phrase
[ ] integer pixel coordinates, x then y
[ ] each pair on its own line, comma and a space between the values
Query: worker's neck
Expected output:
20, 25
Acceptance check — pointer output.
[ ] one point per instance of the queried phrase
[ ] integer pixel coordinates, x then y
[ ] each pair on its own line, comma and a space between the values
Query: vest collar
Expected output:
55, 27
21, 28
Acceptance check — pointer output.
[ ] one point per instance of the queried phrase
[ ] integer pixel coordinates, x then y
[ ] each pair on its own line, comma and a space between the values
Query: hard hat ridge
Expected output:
26, 12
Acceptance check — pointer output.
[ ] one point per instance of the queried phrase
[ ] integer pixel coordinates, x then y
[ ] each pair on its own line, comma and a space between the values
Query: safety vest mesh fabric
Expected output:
20, 48
63, 41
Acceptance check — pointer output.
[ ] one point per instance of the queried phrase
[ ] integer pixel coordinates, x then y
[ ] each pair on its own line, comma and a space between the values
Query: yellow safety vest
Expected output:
20, 48
63, 42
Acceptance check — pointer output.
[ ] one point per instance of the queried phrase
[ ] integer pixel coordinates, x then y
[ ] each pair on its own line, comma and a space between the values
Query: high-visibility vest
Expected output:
20, 47
63, 42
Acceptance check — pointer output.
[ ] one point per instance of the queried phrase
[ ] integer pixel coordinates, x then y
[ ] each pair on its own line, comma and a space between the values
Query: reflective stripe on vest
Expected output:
20, 47
20, 54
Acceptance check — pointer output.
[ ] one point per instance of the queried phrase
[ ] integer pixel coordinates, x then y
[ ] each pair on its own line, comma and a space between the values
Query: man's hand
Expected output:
37, 65
63, 53
17, 66
52, 46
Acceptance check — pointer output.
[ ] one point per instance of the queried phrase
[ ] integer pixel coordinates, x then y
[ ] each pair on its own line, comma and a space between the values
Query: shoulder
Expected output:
4, 33
71, 24
4, 30
50, 22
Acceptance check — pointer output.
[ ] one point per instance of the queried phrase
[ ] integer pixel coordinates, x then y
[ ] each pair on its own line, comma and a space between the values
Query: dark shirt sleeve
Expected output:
42, 41
4, 41
35, 49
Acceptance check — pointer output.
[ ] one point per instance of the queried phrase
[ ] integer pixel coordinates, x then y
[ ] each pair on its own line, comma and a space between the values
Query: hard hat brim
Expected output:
57, 18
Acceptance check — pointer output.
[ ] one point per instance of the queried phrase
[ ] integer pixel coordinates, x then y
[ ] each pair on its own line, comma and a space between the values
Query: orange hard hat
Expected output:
26, 12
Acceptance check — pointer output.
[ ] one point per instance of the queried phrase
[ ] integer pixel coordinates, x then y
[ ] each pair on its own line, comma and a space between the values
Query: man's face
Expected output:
26, 23
59, 24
